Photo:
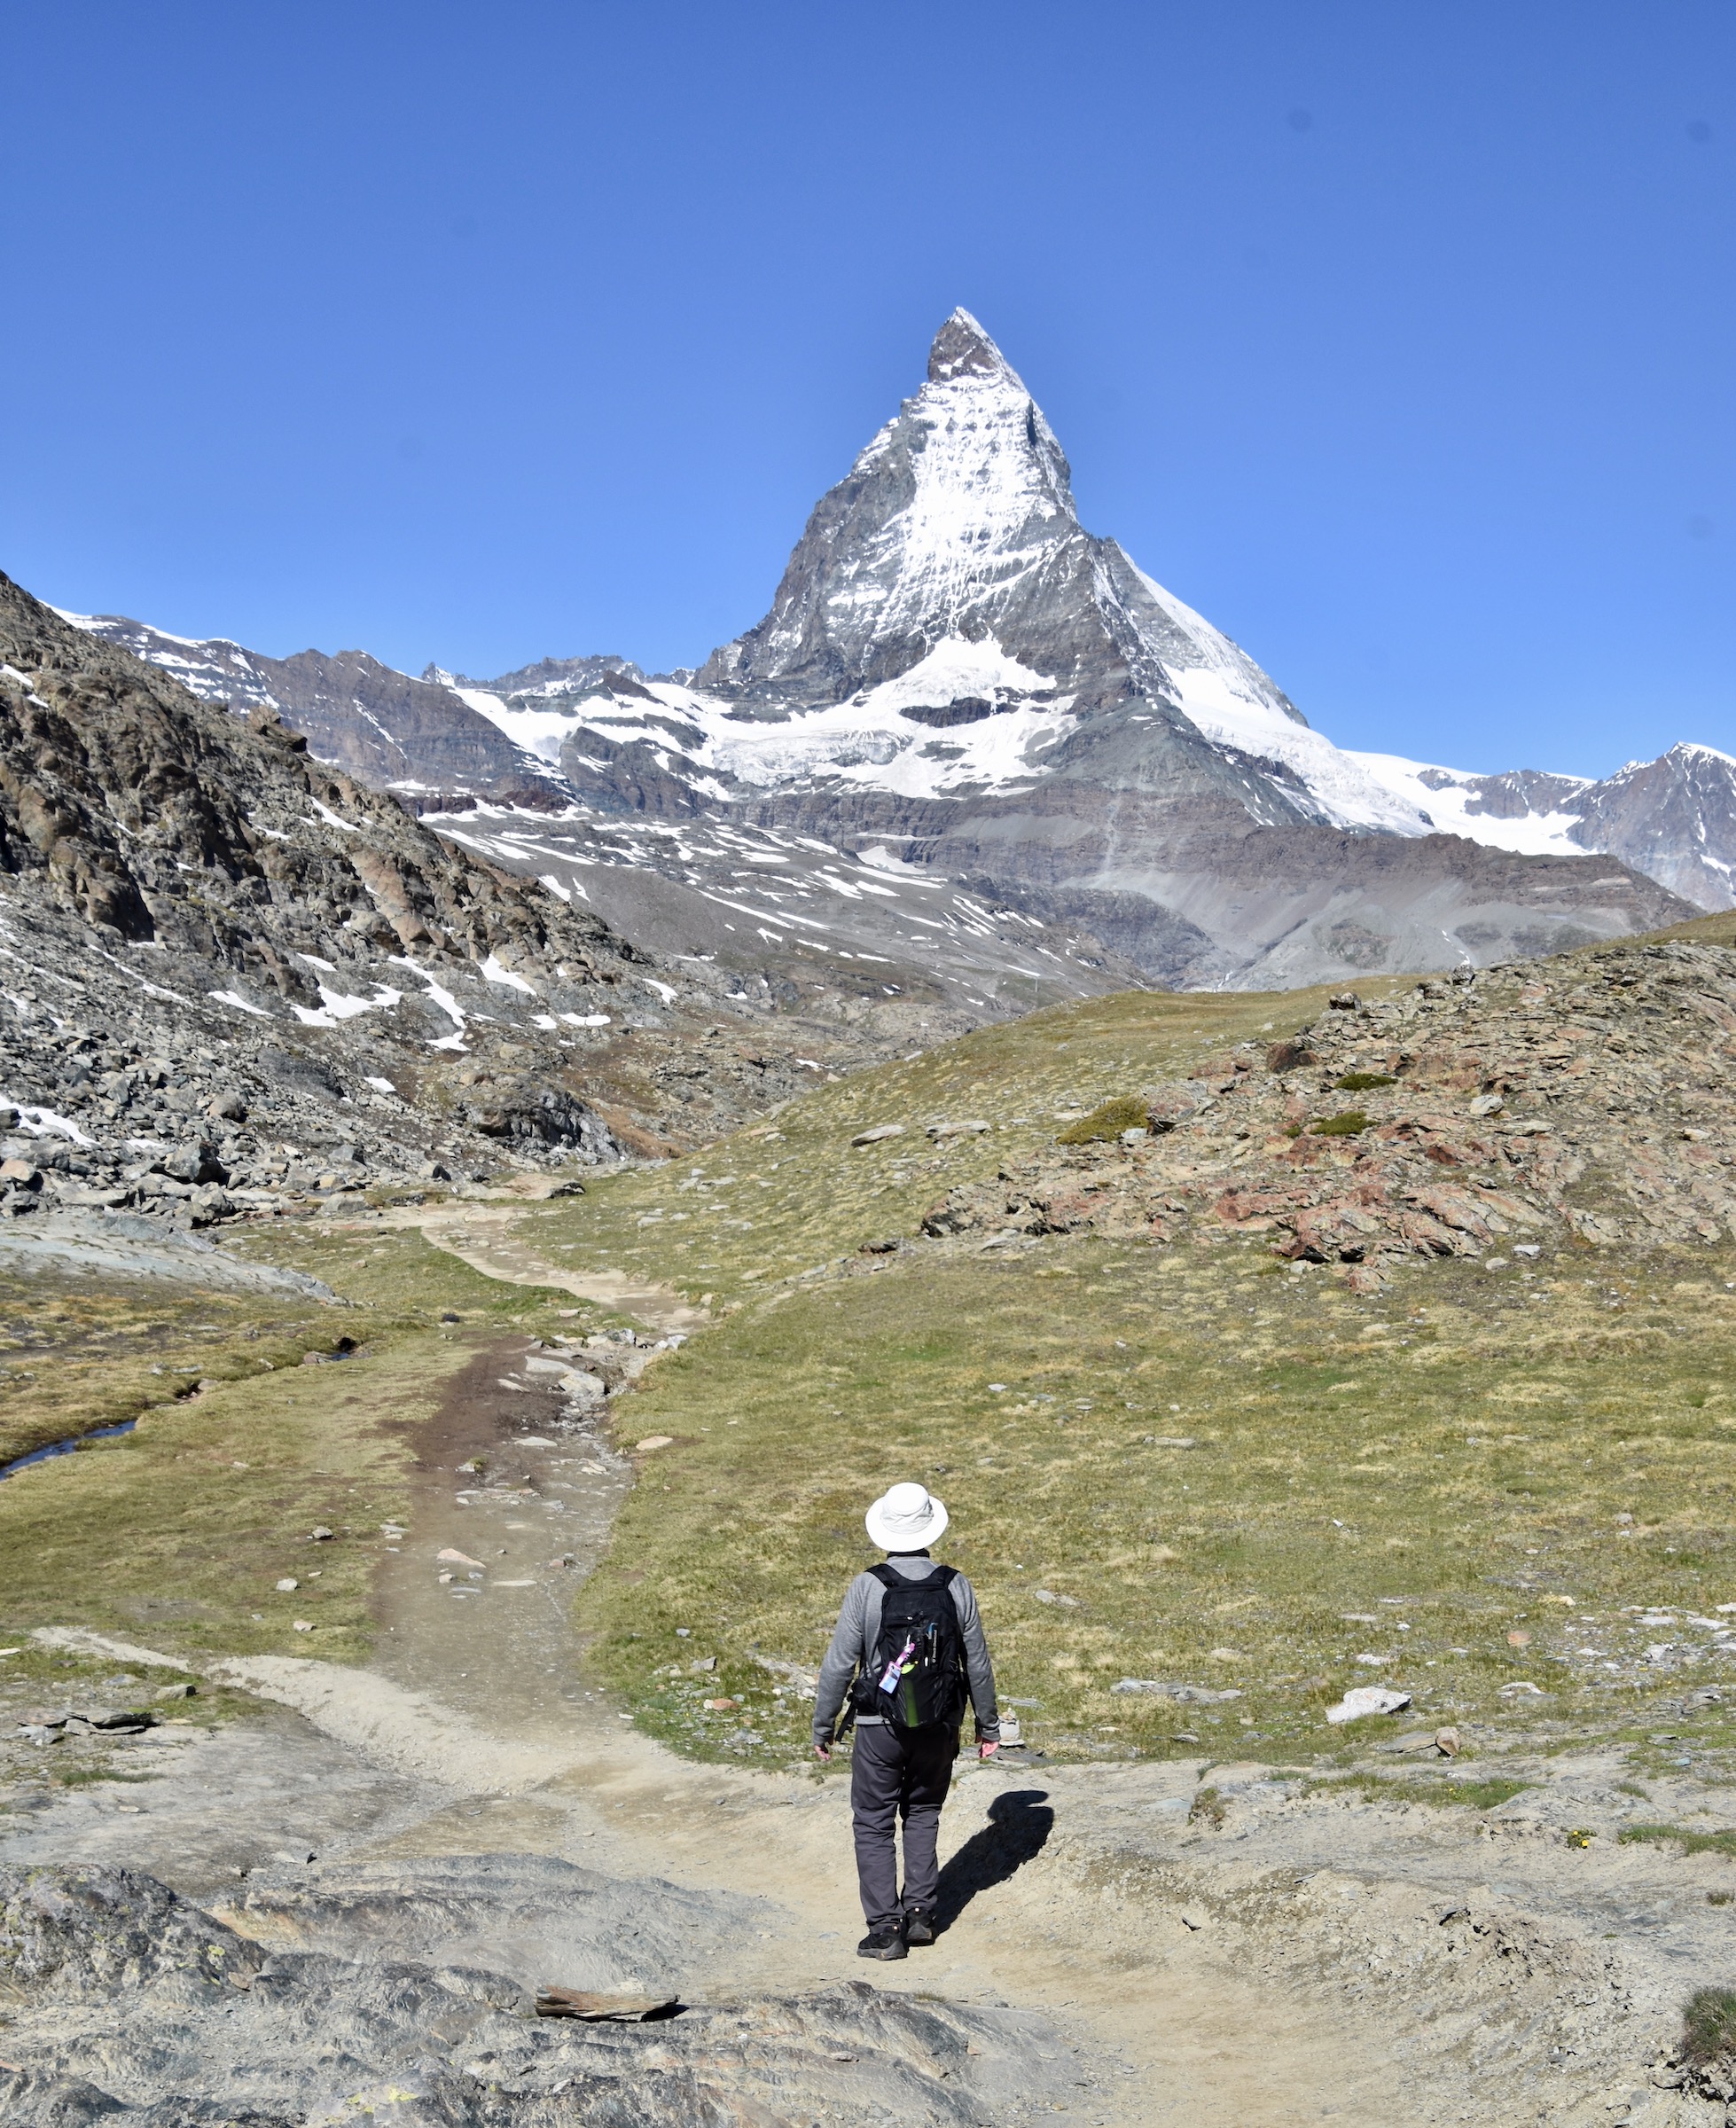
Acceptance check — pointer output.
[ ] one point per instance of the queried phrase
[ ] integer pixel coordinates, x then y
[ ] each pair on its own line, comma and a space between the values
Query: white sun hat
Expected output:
908, 1518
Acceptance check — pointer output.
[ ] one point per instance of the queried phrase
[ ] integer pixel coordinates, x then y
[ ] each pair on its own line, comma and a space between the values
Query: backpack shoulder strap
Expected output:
943, 1577
889, 1577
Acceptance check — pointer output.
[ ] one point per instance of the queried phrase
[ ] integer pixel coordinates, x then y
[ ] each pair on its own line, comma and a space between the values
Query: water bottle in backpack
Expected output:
916, 1675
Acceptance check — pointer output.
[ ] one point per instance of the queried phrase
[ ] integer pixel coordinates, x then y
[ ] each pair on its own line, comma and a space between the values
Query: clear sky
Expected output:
1398, 339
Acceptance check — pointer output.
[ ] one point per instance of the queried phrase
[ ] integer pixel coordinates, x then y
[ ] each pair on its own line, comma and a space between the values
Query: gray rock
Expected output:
127, 2004
1190, 1695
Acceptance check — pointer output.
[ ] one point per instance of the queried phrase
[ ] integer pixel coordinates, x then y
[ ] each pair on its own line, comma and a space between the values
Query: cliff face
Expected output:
163, 820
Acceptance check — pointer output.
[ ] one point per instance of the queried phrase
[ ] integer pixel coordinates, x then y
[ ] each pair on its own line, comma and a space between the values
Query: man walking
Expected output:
908, 1649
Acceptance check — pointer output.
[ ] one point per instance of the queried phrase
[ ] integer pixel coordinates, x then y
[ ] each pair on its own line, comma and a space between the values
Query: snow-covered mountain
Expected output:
1673, 818
954, 672
958, 682
947, 582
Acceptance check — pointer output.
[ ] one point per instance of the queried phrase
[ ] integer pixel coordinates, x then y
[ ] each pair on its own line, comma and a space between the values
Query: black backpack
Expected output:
917, 1675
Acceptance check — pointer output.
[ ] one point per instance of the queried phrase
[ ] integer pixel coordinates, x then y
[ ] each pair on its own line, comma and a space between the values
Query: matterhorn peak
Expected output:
949, 564
962, 348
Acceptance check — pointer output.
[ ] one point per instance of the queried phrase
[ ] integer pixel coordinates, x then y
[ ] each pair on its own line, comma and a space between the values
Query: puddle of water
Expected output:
65, 1448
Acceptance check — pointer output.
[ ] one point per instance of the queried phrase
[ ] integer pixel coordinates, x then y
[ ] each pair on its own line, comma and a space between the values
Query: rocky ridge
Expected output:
416, 738
1673, 818
232, 973
1585, 1101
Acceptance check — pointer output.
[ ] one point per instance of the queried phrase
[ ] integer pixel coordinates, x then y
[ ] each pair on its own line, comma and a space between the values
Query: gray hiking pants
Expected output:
899, 1773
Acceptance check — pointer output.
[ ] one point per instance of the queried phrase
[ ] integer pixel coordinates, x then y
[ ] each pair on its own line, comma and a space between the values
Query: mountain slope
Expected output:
896, 956
1673, 818
229, 966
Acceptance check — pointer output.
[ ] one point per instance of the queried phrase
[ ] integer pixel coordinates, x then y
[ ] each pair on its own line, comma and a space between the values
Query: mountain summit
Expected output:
962, 348
962, 692
952, 561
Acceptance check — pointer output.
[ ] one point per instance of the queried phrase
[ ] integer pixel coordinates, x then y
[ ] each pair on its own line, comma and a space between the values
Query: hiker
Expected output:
909, 1649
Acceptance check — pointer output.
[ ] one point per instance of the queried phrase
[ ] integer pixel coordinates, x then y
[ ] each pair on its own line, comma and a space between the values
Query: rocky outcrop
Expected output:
1586, 1101
164, 821
236, 976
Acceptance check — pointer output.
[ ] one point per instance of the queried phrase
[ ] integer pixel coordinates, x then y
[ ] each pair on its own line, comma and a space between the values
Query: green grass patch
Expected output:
1481, 1794
1441, 1791
1677, 1836
1363, 1081
1708, 2026
1106, 1122
1207, 1807
73, 1357
176, 1533
1349, 1123
93, 1775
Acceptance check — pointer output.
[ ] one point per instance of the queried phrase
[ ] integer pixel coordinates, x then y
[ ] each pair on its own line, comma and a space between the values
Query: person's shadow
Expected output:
1019, 1824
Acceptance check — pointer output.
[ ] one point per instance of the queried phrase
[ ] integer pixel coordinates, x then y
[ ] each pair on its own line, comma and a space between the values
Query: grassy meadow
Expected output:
1433, 1478
792, 1195
176, 1532
1191, 1465
1465, 1478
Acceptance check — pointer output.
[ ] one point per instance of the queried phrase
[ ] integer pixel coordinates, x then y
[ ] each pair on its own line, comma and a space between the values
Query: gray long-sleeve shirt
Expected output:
858, 1633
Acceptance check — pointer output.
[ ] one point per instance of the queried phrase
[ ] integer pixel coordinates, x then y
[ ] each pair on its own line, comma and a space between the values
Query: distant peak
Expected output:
962, 348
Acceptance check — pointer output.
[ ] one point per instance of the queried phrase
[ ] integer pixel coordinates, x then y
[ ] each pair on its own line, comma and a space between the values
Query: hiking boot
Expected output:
918, 1927
885, 1942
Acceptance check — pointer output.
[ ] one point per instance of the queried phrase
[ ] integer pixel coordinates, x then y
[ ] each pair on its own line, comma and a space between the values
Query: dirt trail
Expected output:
482, 1236
1289, 1965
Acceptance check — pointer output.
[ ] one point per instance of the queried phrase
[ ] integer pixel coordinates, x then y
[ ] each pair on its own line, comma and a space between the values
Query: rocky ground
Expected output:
273, 1921
152, 2009
1585, 1098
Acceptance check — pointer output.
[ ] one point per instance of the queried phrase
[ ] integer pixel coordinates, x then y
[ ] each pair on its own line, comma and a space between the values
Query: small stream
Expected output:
65, 1448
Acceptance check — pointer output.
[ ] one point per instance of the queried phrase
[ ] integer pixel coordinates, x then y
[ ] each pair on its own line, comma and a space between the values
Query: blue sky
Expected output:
1398, 341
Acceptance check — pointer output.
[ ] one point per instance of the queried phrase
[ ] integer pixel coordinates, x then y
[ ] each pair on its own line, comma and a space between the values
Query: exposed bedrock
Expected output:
406, 1992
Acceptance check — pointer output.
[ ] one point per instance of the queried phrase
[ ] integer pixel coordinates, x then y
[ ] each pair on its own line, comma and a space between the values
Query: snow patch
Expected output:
335, 1007
1225, 707
37, 1122
240, 1002
1449, 806
492, 971
438, 994
539, 732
